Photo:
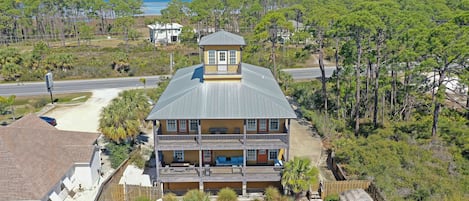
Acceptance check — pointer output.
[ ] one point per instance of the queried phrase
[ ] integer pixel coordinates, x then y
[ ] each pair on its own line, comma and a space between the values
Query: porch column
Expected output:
157, 155
244, 151
287, 154
199, 141
245, 187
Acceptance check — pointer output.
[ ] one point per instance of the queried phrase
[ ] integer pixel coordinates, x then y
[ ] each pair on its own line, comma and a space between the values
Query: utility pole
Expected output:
171, 63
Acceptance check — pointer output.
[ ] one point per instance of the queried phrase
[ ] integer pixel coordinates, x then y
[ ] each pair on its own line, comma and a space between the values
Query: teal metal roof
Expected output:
222, 38
257, 96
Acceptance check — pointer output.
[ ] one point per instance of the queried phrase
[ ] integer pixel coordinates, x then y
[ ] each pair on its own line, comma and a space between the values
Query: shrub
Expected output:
195, 195
333, 197
138, 160
117, 153
272, 194
170, 197
227, 194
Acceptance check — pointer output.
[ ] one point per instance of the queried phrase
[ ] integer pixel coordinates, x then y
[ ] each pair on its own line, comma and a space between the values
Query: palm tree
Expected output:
121, 120
298, 175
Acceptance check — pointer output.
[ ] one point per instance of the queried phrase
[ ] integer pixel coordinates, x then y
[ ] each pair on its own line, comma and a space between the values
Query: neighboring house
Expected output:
165, 33
40, 162
222, 123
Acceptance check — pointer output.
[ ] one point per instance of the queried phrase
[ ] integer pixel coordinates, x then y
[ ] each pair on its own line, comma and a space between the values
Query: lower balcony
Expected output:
220, 174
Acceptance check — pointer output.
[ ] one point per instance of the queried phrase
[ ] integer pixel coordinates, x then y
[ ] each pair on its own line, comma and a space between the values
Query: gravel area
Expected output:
83, 117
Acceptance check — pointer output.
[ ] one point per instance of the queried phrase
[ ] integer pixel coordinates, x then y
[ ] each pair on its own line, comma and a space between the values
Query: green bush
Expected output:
333, 197
138, 160
227, 194
117, 153
196, 195
170, 197
272, 194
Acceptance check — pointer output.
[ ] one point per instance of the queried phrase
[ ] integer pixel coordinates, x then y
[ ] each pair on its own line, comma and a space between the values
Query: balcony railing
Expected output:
221, 141
214, 174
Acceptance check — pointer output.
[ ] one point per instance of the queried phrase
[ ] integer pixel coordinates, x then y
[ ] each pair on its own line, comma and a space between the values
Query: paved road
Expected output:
309, 73
39, 88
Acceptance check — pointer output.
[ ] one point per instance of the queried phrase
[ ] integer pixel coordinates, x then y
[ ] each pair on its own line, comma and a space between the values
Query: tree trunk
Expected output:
336, 56
323, 73
437, 101
357, 87
272, 52
376, 92
393, 90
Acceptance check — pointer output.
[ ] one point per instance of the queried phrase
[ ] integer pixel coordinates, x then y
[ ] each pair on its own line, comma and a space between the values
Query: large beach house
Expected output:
222, 123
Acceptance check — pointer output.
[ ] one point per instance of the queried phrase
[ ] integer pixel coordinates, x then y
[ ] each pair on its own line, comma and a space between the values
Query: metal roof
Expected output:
257, 96
222, 38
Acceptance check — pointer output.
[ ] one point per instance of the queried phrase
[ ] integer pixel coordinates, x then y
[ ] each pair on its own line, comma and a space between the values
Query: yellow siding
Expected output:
191, 156
229, 124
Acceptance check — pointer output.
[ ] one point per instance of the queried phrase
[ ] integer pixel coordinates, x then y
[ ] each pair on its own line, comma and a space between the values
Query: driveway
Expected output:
83, 117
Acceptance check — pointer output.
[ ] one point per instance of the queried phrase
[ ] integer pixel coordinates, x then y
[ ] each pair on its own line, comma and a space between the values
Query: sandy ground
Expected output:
83, 117
304, 143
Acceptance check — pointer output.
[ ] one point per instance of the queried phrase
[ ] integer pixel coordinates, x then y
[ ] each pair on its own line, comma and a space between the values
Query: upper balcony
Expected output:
221, 141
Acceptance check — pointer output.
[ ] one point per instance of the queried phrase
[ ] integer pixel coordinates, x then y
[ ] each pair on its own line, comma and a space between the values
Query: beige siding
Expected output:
230, 124
189, 156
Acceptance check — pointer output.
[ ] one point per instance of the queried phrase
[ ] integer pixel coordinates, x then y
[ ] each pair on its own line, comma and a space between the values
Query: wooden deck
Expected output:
220, 174
221, 141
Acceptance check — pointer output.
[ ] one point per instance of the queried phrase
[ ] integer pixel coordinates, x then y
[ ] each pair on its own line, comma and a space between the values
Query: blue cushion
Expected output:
221, 159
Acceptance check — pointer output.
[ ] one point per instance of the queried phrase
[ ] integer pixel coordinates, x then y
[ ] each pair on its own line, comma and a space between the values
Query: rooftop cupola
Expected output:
222, 56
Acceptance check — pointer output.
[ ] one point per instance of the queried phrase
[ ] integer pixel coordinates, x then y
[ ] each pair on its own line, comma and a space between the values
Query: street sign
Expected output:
50, 85
49, 81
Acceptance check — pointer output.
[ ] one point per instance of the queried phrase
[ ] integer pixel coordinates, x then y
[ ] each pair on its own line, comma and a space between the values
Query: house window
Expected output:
211, 57
273, 154
251, 155
232, 56
262, 124
182, 126
178, 155
251, 125
171, 125
193, 125
222, 56
274, 124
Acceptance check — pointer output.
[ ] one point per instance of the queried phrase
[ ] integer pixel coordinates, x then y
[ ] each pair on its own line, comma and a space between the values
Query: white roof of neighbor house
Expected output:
222, 38
256, 96
165, 26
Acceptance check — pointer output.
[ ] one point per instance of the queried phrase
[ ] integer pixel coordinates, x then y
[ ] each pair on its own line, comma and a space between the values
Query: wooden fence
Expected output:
119, 192
111, 190
342, 184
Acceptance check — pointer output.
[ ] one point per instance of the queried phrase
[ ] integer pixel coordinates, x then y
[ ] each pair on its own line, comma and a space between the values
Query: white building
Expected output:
40, 162
165, 33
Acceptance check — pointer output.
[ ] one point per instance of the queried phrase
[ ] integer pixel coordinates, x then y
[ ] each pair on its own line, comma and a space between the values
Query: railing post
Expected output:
287, 155
157, 155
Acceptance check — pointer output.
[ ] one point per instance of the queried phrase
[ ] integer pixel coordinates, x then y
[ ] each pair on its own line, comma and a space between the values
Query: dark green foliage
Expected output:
227, 194
117, 153
332, 198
